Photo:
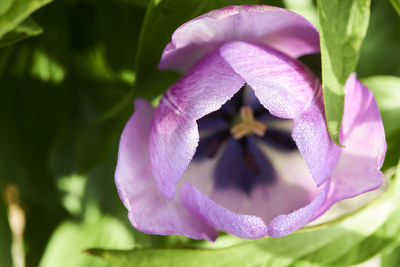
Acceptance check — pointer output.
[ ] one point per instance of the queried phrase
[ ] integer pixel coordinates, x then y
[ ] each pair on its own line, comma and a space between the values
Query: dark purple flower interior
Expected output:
242, 165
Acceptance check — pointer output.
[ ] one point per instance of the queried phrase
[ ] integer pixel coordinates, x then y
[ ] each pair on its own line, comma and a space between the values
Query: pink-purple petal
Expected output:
313, 141
363, 137
241, 225
275, 27
283, 85
285, 224
149, 210
174, 135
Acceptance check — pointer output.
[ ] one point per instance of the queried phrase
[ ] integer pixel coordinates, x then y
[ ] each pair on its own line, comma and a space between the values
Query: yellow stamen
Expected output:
248, 125
246, 113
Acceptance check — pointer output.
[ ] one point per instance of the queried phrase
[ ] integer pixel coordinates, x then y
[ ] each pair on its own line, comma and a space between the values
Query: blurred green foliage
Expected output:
63, 105
69, 71
27, 28
396, 5
14, 12
5, 240
379, 52
391, 257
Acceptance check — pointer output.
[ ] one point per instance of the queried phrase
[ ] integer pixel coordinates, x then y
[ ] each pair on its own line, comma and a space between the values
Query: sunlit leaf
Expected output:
17, 12
70, 239
5, 6
306, 8
396, 5
391, 258
47, 68
343, 25
27, 28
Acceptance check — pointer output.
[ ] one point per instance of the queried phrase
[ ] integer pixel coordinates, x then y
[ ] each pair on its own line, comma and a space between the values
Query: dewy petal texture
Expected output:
313, 141
274, 27
285, 224
283, 85
149, 210
363, 137
174, 134
245, 226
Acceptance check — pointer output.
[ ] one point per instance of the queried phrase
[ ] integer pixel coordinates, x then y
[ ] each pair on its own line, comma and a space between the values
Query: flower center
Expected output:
241, 127
247, 124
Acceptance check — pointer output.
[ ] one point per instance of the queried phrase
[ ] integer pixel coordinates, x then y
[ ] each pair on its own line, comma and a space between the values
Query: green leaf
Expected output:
5, 6
387, 94
305, 8
343, 24
70, 239
378, 54
391, 258
17, 13
28, 28
351, 241
396, 5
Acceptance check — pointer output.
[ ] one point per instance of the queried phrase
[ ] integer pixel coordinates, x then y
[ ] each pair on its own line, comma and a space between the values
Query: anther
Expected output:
248, 125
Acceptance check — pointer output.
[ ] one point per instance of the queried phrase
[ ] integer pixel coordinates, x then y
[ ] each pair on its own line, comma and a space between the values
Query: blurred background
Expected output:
69, 71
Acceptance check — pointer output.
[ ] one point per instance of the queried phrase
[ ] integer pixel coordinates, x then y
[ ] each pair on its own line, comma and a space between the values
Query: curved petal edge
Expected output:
274, 27
149, 210
363, 137
174, 134
241, 225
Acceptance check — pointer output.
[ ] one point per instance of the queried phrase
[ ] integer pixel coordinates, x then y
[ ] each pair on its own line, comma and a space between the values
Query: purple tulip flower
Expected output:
239, 144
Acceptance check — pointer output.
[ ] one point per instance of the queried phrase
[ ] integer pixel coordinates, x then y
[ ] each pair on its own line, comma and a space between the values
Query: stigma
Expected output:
247, 124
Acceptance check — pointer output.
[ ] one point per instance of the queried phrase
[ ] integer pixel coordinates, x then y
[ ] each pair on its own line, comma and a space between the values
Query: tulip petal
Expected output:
275, 27
174, 135
311, 136
149, 210
285, 224
283, 85
245, 226
363, 137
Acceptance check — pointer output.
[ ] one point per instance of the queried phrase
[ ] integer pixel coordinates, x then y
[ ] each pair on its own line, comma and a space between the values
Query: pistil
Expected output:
248, 125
